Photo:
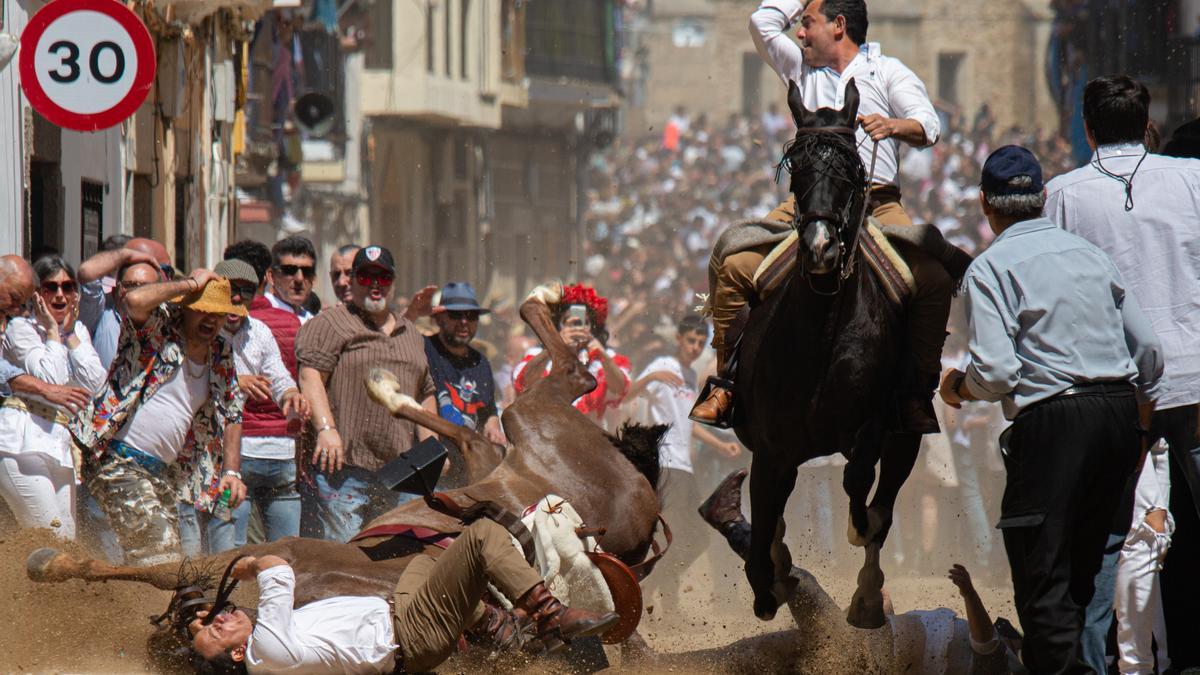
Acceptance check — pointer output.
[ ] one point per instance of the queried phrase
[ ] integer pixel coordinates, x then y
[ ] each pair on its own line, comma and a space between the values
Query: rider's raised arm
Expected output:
768, 28
908, 99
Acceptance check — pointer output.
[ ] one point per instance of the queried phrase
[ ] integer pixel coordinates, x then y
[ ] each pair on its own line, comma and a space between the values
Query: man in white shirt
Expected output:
413, 631
669, 385
293, 268
894, 107
1143, 210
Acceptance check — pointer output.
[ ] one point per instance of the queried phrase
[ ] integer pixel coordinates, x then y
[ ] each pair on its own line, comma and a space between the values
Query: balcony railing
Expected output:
578, 39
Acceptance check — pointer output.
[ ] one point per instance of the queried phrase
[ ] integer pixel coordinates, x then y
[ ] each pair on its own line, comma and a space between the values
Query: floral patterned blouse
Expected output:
145, 359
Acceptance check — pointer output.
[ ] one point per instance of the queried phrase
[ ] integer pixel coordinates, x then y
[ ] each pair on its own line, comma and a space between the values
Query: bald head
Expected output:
16, 283
151, 247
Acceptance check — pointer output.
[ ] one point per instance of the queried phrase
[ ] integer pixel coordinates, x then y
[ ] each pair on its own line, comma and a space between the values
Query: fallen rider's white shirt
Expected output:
344, 634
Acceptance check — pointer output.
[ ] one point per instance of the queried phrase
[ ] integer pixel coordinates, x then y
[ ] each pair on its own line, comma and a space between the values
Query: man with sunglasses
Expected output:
293, 268
355, 437
466, 392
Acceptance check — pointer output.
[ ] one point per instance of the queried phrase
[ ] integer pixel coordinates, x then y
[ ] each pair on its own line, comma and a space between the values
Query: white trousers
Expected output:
39, 491
1138, 600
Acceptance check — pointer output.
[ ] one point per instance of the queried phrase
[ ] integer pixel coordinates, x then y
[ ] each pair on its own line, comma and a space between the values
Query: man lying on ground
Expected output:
414, 631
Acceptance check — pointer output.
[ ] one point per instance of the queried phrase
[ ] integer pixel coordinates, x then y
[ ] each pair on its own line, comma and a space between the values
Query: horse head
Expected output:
829, 183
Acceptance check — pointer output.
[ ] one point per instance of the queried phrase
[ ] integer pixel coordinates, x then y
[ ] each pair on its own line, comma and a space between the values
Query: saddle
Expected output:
876, 250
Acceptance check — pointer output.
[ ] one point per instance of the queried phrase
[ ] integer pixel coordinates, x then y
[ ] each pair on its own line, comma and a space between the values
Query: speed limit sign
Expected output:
86, 64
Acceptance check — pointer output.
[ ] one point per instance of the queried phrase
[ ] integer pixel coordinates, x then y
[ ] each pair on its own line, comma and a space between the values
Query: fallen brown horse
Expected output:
610, 480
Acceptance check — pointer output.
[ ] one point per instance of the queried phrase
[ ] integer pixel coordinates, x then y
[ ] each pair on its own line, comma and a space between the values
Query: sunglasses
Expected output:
168, 271
53, 287
463, 315
384, 280
309, 271
130, 285
243, 292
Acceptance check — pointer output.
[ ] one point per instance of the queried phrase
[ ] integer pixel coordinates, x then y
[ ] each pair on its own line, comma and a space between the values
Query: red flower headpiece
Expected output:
580, 294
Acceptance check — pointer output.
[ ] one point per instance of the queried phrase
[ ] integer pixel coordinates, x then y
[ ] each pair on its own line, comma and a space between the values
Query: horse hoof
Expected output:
866, 610
37, 565
765, 609
383, 388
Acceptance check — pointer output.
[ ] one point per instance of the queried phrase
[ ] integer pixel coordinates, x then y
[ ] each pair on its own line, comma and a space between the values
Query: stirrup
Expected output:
715, 382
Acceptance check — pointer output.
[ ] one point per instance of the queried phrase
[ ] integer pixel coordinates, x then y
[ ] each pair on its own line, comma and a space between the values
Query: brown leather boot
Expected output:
724, 505
714, 408
558, 624
498, 630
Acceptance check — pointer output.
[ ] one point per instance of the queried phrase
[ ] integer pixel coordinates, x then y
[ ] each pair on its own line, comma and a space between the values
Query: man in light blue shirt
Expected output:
139, 263
1143, 210
1054, 336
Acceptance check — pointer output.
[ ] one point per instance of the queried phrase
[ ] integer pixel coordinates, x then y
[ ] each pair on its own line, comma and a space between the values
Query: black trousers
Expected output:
1071, 474
1180, 585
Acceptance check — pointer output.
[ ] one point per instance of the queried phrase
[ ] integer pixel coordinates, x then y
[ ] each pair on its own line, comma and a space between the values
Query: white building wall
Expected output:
95, 157
12, 144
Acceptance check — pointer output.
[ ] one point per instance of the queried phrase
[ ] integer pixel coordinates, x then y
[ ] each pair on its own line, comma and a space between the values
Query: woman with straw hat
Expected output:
166, 427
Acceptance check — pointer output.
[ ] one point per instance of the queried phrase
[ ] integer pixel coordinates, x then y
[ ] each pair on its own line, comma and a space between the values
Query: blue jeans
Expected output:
1098, 616
270, 490
218, 535
350, 498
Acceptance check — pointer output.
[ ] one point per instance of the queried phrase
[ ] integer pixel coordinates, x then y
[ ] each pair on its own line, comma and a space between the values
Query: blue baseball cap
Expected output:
1007, 163
459, 296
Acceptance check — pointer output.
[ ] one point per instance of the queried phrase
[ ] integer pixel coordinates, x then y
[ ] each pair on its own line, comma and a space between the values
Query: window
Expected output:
379, 42
464, 16
949, 68
689, 33
429, 41
91, 229
449, 34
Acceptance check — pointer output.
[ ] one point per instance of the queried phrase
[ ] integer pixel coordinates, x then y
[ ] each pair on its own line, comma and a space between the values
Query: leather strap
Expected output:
644, 568
444, 503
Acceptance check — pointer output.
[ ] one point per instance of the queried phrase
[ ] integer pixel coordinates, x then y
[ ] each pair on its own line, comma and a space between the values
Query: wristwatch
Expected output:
325, 427
235, 474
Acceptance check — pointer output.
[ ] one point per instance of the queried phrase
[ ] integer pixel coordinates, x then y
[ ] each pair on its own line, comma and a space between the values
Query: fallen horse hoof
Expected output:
37, 565
866, 610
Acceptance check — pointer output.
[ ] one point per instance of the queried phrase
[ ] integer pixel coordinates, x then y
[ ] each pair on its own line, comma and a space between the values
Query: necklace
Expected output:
1127, 182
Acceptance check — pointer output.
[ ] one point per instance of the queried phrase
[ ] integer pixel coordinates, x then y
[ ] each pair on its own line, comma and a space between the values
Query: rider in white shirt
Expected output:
893, 106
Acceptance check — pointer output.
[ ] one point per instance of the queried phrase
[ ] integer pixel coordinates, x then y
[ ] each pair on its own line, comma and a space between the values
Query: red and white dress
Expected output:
599, 400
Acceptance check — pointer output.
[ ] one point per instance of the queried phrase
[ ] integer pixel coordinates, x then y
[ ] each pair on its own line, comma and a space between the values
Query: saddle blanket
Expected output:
874, 248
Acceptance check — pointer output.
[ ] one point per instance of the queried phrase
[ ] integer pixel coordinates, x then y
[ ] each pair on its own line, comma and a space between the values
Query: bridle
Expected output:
832, 139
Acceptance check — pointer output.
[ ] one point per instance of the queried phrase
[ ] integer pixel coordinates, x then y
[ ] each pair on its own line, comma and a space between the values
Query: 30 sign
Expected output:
86, 64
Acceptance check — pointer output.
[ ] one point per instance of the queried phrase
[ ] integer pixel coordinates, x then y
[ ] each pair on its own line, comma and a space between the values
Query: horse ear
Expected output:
850, 108
802, 116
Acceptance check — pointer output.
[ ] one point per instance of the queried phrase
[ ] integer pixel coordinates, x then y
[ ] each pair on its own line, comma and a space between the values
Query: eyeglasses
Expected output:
53, 287
242, 293
463, 315
384, 280
309, 271
168, 271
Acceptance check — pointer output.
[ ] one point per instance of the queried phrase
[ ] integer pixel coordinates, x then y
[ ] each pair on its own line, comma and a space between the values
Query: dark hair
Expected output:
293, 245
115, 242
692, 323
221, 664
1116, 109
1185, 142
256, 254
855, 12
49, 265
559, 311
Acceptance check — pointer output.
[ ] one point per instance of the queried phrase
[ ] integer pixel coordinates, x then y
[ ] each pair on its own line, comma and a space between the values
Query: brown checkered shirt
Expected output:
344, 342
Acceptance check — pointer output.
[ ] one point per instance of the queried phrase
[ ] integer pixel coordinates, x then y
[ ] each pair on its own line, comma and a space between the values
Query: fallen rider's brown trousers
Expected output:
925, 315
436, 599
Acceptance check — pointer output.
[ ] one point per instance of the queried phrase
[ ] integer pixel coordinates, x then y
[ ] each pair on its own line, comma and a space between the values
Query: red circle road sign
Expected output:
86, 64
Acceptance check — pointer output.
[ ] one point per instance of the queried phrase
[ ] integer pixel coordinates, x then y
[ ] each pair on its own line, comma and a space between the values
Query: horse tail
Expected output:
639, 444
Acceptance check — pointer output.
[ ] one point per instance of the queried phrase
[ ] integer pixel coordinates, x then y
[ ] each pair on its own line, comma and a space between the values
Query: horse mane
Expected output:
639, 444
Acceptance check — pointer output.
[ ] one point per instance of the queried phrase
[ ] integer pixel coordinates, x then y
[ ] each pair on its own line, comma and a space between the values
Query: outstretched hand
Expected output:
962, 579
421, 303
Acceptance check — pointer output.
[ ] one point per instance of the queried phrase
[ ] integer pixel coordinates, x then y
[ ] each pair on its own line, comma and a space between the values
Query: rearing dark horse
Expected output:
819, 362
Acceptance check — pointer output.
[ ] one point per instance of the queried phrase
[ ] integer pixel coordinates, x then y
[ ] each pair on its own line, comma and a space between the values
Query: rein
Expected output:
842, 219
